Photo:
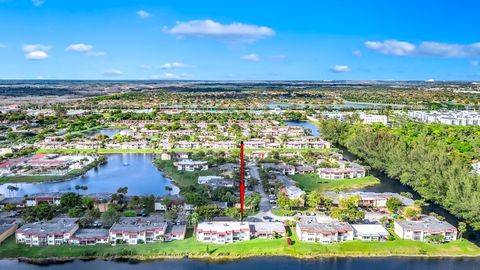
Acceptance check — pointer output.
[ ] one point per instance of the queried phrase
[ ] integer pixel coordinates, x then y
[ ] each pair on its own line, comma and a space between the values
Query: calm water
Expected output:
277, 263
110, 132
135, 171
313, 129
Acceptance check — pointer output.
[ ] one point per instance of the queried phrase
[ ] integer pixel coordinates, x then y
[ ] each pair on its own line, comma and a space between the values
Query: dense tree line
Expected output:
433, 159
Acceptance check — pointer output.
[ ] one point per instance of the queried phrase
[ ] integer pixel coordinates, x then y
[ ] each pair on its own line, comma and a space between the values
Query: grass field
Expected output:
309, 182
257, 247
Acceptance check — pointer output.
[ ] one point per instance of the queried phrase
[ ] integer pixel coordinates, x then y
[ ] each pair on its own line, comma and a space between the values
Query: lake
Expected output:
261, 263
135, 171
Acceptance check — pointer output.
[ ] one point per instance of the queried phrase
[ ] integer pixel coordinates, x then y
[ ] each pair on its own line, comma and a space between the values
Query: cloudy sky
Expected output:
239, 40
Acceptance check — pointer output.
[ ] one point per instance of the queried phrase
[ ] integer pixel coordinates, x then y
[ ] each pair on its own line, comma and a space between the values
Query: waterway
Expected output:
388, 184
260, 263
135, 171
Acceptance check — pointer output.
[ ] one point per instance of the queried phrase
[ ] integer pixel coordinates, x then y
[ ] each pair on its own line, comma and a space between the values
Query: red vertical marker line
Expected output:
242, 181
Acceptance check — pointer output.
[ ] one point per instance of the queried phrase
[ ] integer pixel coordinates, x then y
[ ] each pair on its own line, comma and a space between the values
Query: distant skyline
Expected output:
244, 40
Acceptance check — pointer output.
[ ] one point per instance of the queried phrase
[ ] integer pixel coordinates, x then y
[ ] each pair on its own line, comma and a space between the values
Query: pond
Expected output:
135, 171
110, 132
260, 263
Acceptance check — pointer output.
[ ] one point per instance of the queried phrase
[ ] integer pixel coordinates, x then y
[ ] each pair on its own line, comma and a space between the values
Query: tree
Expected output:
283, 201
70, 200
462, 228
171, 214
130, 213
347, 209
44, 211
194, 218
110, 216
316, 199
232, 212
75, 212
89, 217
411, 212
394, 204
435, 238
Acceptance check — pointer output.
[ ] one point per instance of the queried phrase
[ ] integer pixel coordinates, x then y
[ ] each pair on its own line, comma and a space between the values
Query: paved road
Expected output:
265, 206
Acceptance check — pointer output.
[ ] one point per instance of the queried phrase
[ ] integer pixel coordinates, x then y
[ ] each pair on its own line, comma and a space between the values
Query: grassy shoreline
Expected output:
50, 178
253, 248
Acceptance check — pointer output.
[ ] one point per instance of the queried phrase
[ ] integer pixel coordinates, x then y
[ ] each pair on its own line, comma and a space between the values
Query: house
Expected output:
175, 232
48, 233
419, 229
17, 202
370, 232
309, 229
369, 119
87, 237
370, 199
190, 165
223, 232
342, 173
304, 169
215, 181
136, 230
48, 198
268, 230
8, 226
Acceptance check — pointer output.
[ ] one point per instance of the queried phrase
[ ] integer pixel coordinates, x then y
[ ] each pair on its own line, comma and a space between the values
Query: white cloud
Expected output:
112, 73
251, 57
143, 14
79, 47
2, 46
391, 47
427, 48
357, 53
475, 63
278, 57
146, 67
85, 48
340, 69
174, 65
38, 3
237, 32
36, 51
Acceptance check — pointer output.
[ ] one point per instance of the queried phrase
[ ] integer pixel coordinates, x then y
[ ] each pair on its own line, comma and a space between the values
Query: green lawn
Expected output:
257, 247
309, 182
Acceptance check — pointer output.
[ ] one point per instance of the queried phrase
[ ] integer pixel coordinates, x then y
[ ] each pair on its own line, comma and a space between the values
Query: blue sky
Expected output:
239, 40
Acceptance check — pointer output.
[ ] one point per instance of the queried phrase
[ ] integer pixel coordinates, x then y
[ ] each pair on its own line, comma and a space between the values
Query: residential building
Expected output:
370, 199
190, 165
370, 232
87, 237
48, 233
175, 232
136, 230
268, 230
223, 232
309, 229
8, 226
215, 181
419, 229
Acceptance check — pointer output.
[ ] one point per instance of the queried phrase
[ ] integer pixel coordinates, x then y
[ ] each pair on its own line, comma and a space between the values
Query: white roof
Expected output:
370, 229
